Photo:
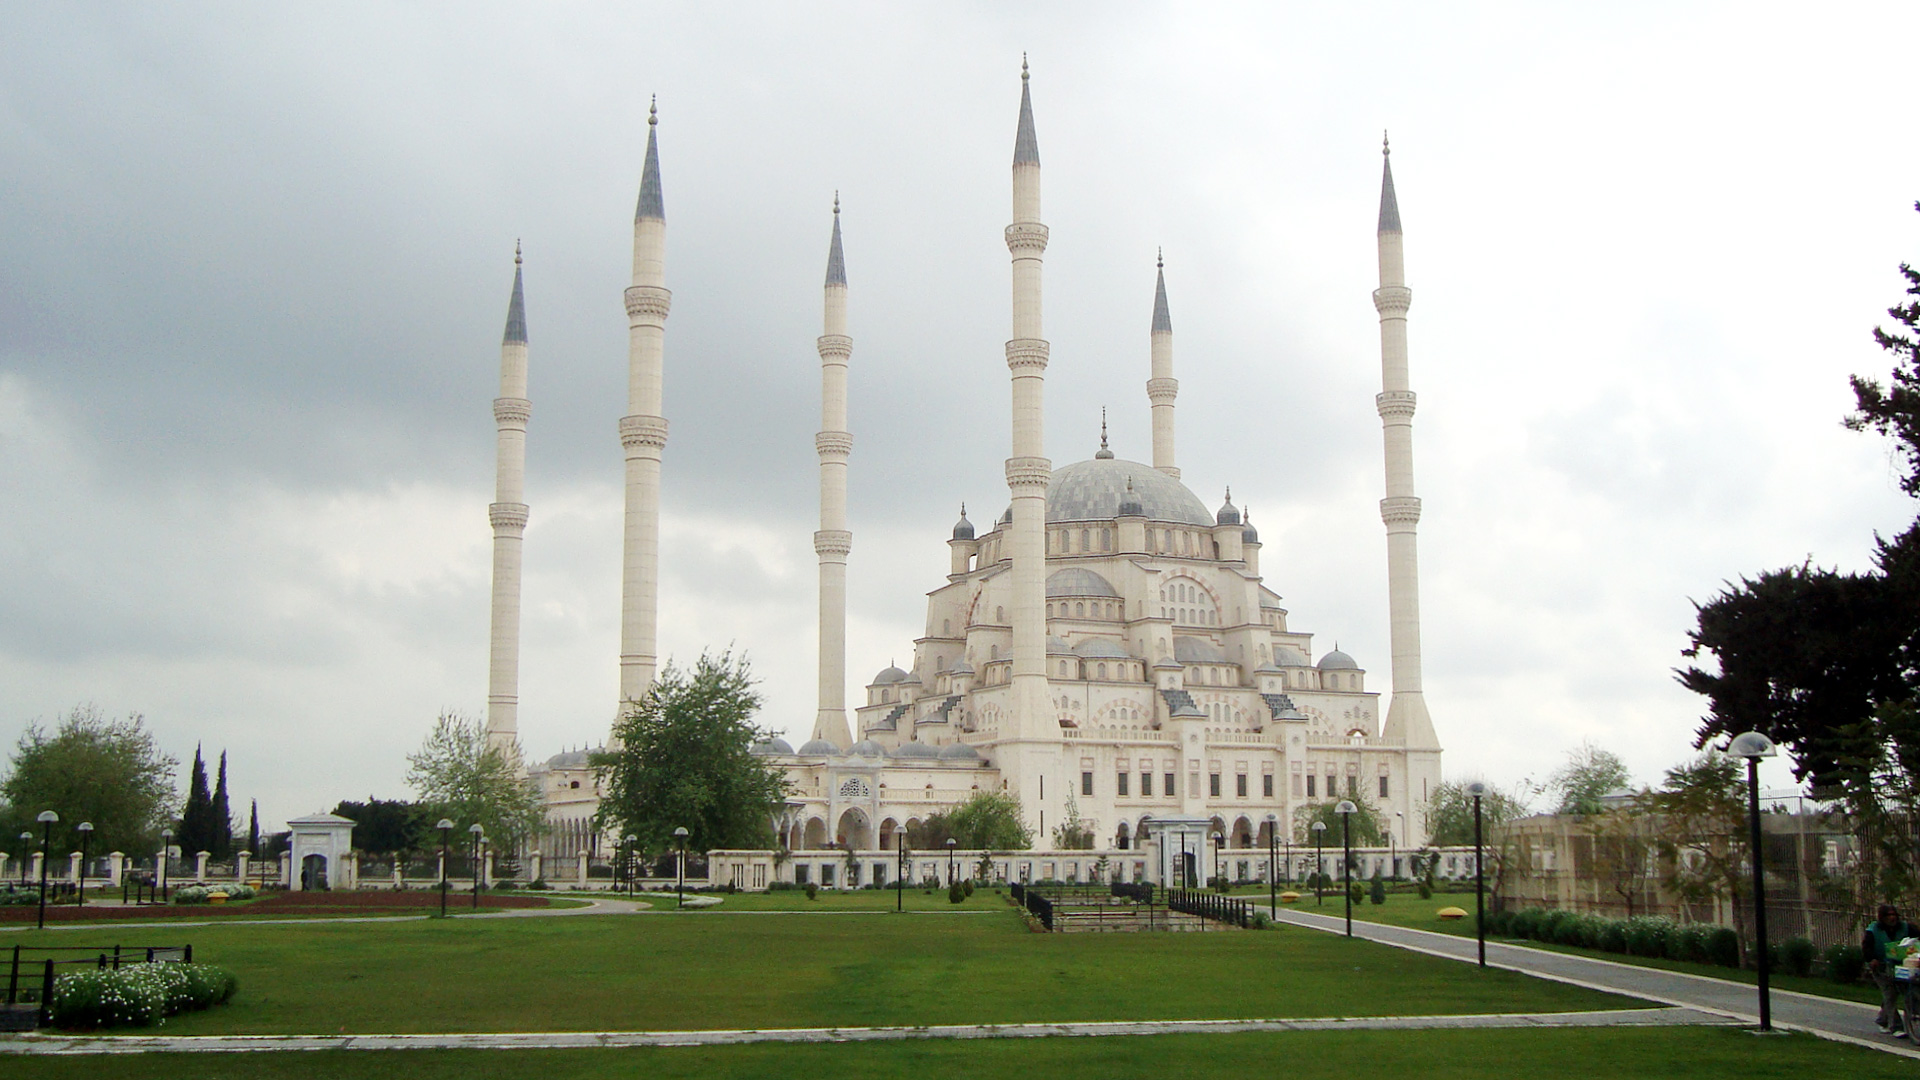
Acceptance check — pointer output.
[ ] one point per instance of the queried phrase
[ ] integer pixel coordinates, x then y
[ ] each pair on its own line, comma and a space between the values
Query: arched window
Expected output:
1084, 545
1106, 539
1080, 610
999, 614
946, 627
1103, 671
1063, 669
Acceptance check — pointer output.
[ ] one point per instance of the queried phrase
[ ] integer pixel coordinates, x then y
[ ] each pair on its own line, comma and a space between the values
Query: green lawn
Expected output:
1616, 1054
831, 900
1409, 910
708, 970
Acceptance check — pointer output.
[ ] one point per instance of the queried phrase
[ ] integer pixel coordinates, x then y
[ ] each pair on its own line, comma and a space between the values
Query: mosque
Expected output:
1108, 649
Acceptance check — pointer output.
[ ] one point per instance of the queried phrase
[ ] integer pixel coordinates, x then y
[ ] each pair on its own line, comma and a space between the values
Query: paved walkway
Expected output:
595, 906
556, 1040
1829, 1018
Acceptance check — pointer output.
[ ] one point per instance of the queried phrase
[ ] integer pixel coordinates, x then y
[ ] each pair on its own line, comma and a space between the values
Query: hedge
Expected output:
1642, 935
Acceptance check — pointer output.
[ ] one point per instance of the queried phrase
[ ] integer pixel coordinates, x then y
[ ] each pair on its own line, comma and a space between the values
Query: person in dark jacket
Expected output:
1882, 932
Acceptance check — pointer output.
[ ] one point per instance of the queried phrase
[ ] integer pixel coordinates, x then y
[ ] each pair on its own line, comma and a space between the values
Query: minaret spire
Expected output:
1162, 387
833, 542
1407, 720
508, 515
643, 431
1028, 471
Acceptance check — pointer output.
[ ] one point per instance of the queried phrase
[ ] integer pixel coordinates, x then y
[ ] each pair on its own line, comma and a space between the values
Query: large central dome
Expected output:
1092, 490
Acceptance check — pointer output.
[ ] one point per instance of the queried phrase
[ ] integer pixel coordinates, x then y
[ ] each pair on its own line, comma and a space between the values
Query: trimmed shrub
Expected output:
1647, 935
1499, 922
813, 891
1526, 923
1378, 894
1357, 891
1426, 890
1797, 955
967, 884
956, 893
1613, 936
137, 995
1687, 943
1845, 963
1723, 947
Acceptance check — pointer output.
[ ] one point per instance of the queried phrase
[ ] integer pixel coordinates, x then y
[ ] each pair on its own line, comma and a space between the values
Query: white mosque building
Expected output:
1108, 648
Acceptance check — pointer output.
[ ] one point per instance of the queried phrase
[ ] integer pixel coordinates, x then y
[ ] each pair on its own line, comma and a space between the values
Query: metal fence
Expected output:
1213, 906
30, 981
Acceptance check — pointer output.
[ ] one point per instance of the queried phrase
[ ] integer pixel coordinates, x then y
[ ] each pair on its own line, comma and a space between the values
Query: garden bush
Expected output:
956, 893
1526, 923
1797, 956
1647, 935
1845, 963
1723, 947
137, 995
813, 891
1356, 892
967, 884
1499, 922
1550, 923
1426, 891
239, 892
191, 894
1688, 943
1613, 936
1379, 892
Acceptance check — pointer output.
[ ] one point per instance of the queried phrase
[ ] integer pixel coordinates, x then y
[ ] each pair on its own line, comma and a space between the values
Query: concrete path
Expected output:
554, 1040
1829, 1018
595, 906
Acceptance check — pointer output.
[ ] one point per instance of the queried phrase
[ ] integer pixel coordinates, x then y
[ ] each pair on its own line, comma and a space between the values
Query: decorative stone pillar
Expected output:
352, 868
399, 873
33, 871
73, 867
241, 863
536, 865
116, 868
200, 864
286, 870
583, 870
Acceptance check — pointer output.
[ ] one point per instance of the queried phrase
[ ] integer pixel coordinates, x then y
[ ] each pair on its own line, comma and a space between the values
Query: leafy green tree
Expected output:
685, 760
1895, 410
1589, 775
930, 833
1073, 833
1450, 812
1623, 848
459, 776
388, 826
91, 768
1367, 829
1703, 830
990, 821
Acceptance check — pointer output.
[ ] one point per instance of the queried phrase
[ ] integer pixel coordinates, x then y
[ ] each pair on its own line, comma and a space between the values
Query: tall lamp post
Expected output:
474, 830
1219, 875
900, 875
1346, 810
26, 855
1393, 851
1478, 790
1753, 746
47, 819
446, 829
680, 834
166, 860
85, 829
952, 879
1273, 868
633, 863
1319, 868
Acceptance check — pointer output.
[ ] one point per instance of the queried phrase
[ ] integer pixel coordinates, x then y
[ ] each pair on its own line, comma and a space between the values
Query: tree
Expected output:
990, 821
388, 826
196, 820
460, 777
931, 833
1367, 830
90, 768
220, 816
1703, 833
1623, 850
1073, 834
1589, 775
685, 760
253, 830
1450, 811
1895, 411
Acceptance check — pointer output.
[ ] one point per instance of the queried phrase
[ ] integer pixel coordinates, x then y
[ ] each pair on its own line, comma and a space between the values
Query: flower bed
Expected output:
137, 995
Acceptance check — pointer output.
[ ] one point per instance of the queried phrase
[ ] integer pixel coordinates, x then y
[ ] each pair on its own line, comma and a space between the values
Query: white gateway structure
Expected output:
1108, 650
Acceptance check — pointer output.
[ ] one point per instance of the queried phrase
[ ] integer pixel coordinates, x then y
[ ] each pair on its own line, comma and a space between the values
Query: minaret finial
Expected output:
1386, 148
1023, 65
1104, 453
516, 251
1389, 205
836, 200
1229, 493
651, 206
1026, 146
653, 110
1159, 258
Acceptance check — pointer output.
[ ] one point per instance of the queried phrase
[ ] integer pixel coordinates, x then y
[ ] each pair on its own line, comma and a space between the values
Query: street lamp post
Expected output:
26, 855
1219, 875
951, 845
900, 875
446, 828
1273, 868
47, 819
85, 829
633, 863
1753, 746
1478, 790
1400, 820
166, 859
474, 830
1186, 879
1345, 810
1319, 868
680, 834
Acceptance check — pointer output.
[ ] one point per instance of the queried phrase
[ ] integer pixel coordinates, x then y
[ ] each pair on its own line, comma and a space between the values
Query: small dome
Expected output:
916, 750
1058, 645
1267, 669
818, 748
1338, 661
866, 748
959, 752
1228, 513
889, 676
960, 667
1102, 649
1193, 650
963, 529
1249, 535
1130, 503
569, 759
774, 745
1288, 656
1166, 663
1079, 581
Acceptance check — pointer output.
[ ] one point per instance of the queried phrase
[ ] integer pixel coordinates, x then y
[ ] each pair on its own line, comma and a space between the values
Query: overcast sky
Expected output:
257, 258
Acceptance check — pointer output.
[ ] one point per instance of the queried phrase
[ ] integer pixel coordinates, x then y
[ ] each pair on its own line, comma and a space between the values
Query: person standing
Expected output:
1885, 930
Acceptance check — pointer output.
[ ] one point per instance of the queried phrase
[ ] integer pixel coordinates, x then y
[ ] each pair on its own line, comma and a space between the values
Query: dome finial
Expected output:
1104, 453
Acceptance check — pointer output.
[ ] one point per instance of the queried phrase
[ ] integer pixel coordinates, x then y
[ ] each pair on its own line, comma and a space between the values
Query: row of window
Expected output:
1353, 787
1124, 779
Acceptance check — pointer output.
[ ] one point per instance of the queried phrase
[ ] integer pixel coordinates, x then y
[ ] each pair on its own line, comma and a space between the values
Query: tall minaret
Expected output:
1162, 388
1407, 718
1028, 469
509, 516
643, 431
833, 541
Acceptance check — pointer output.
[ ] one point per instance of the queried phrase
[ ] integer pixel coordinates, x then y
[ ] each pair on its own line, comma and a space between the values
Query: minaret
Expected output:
1407, 718
833, 542
509, 516
1028, 468
1162, 388
643, 431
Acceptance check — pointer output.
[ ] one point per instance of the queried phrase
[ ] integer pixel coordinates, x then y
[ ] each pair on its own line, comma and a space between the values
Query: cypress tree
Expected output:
220, 817
253, 830
193, 819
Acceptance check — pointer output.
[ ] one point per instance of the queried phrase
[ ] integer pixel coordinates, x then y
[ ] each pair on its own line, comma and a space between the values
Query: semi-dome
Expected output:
889, 676
818, 748
1338, 661
1078, 581
866, 748
1093, 490
1288, 656
916, 750
1193, 650
959, 752
775, 745
963, 529
1102, 649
